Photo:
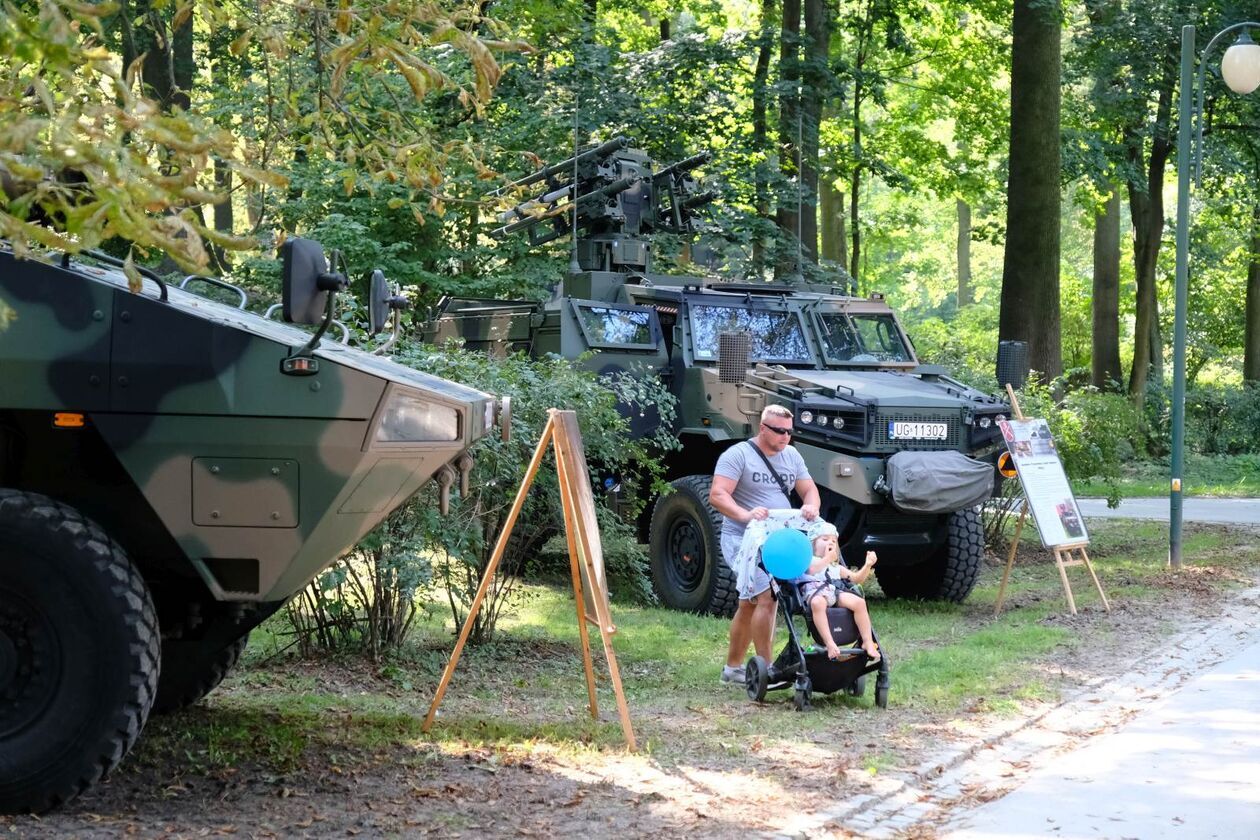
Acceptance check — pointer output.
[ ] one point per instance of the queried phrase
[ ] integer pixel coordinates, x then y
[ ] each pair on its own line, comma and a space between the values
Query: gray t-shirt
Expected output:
754, 486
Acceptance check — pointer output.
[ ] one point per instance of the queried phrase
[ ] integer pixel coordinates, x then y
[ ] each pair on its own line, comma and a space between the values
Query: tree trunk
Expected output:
1251, 334
817, 51
966, 294
855, 183
760, 94
831, 222
1106, 373
1030, 269
1146, 207
787, 217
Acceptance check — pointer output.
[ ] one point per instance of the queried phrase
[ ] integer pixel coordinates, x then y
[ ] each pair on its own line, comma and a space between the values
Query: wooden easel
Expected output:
586, 561
1062, 554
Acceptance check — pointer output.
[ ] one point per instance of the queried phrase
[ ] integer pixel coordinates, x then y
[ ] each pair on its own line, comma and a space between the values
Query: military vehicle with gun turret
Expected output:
172, 470
886, 437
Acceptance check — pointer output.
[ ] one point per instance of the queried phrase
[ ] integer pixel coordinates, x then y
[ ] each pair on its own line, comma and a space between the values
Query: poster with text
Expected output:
1045, 483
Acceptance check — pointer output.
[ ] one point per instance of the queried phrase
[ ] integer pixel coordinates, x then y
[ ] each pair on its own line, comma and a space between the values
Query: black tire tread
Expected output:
724, 598
965, 556
127, 586
171, 698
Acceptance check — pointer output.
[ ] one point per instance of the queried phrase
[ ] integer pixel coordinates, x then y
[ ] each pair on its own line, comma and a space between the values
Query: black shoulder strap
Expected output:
777, 478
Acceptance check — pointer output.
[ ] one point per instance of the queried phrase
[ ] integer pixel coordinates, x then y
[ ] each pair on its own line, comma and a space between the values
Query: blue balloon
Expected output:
786, 553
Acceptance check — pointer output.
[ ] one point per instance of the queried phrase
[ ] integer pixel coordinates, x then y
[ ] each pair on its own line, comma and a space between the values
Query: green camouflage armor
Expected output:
164, 487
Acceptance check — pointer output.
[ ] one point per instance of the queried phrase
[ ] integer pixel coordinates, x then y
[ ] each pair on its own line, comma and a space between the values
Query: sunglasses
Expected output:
777, 430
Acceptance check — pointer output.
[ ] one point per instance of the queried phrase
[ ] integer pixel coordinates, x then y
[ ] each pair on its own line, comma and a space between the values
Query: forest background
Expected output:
997, 170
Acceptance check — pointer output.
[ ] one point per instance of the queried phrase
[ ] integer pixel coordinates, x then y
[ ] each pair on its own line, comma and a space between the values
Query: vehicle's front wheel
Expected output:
950, 573
685, 551
79, 653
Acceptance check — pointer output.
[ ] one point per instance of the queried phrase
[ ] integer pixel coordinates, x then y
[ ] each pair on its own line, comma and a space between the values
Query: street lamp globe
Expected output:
1240, 66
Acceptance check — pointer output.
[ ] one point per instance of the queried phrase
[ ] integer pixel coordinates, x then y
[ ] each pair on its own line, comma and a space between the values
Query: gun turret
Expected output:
615, 199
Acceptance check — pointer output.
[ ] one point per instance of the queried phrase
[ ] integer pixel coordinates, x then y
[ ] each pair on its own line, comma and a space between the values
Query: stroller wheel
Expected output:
756, 678
881, 696
858, 687
800, 700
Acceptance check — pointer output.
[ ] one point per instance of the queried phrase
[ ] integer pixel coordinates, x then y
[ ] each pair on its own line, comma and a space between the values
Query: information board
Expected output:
1046, 487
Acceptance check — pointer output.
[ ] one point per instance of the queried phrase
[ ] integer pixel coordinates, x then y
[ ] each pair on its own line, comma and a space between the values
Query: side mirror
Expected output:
307, 281
378, 301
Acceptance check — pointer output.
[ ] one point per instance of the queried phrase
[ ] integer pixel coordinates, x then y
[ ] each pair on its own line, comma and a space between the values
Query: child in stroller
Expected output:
841, 665
829, 583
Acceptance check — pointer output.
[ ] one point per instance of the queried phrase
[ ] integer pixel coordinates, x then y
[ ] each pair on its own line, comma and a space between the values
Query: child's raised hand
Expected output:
870, 559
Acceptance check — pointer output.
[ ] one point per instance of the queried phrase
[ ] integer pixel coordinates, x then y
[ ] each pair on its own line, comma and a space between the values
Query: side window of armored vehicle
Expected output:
880, 338
608, 327
862, 338
777, 336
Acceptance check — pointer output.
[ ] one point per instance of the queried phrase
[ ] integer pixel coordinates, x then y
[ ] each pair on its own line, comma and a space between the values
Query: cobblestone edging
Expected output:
998, 759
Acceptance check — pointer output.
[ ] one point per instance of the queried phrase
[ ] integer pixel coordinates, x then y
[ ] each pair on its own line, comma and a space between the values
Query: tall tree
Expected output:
787, 215
966, 294
1105, 359
1251, 340
816, 84
1030, 269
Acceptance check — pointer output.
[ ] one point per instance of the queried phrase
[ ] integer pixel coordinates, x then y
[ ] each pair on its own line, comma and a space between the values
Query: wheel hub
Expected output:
686, 554
30, 660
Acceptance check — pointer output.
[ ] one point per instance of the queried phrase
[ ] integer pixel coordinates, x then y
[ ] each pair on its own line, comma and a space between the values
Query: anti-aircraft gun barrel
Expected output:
566, 166
600, 195
685, 165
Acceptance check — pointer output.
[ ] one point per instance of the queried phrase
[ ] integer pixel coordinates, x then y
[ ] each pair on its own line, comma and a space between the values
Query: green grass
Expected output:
526, 689
1223, 476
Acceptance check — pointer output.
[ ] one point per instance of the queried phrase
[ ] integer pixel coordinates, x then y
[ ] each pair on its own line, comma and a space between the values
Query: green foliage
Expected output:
368, 599
1094, 432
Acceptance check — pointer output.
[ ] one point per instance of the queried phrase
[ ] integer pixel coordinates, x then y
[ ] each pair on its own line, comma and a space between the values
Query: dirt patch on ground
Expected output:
327, 771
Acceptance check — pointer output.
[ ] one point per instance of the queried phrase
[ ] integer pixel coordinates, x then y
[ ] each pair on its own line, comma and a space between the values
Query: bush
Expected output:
1094, 435
367, 600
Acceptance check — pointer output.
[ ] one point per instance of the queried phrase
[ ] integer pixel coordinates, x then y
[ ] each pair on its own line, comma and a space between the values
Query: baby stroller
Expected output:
812, 671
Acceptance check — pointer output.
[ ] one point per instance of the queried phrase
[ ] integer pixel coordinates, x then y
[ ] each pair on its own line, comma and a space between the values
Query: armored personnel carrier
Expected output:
843, 365
172, 470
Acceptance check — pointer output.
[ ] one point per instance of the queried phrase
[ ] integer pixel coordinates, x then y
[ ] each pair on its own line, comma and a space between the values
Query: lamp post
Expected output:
1240, 68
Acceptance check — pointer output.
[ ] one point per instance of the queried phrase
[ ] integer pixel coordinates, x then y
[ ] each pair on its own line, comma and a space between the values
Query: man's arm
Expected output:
720, 497
810, 500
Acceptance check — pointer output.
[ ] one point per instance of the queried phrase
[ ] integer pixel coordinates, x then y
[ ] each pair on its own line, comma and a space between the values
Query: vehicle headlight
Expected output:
807, 417
838, 422
822, 420
985, 422
409, 418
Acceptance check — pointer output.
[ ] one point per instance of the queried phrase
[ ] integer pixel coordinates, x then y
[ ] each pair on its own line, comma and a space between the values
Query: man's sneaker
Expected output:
732, 675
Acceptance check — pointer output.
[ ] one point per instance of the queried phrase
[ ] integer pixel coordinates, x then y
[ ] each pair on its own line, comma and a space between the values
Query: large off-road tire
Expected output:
194, 673
950, 573
685, 551
79, 653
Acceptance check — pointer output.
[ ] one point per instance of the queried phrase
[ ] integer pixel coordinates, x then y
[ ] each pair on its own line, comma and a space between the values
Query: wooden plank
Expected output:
569, 448
491, 567
1067, 587
1097, 584
1010, 558
568, 508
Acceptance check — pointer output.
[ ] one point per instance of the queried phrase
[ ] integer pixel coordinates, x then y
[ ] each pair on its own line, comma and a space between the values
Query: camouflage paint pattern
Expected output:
260, 479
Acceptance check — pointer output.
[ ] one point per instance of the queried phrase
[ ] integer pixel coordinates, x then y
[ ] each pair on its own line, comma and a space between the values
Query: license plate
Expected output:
902, 430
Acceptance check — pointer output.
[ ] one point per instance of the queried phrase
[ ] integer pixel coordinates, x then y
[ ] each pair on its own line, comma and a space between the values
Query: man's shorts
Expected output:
730, 550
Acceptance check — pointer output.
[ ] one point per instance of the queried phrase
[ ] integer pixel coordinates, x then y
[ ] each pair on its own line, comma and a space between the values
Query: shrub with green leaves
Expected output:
369, 597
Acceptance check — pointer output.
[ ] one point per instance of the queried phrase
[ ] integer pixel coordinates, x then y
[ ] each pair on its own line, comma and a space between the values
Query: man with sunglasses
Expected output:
744, 490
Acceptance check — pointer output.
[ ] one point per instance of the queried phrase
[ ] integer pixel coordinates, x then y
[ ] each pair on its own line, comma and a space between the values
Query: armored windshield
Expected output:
862, 337
777, 336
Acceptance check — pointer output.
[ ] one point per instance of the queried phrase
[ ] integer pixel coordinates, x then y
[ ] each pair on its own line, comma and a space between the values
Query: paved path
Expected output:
1189, 767
1241, 511
1171, 746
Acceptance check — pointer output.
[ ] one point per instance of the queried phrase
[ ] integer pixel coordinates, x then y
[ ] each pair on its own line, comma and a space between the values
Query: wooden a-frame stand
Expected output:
586, 561
1063, 554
